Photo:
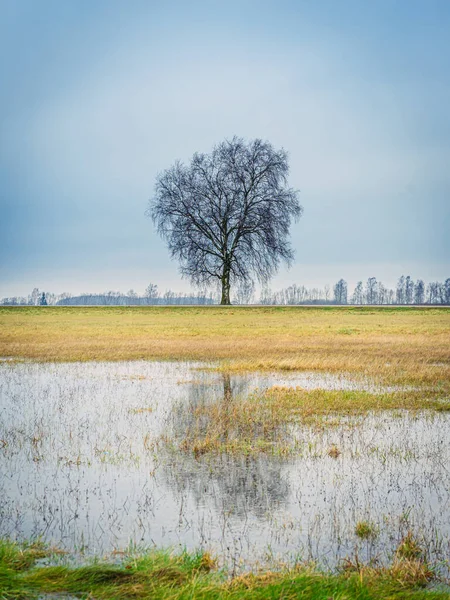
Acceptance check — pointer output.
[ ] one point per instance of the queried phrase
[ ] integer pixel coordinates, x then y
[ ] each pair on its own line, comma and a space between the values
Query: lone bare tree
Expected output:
226, 215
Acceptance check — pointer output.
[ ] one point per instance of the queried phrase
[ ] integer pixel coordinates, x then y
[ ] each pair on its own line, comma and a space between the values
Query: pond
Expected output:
88, 463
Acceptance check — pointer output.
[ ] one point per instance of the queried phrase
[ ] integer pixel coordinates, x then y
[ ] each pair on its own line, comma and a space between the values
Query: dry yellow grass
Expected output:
398, 344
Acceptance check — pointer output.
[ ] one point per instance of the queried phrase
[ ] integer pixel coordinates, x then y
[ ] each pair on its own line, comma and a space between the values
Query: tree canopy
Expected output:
226, 215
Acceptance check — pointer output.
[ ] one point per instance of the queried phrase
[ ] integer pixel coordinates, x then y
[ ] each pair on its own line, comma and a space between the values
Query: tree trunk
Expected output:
225, 287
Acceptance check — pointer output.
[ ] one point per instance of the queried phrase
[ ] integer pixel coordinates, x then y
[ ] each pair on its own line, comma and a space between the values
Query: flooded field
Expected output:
95, 457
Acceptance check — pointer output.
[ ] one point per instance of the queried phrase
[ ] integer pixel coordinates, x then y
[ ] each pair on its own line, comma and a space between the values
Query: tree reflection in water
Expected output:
237, 482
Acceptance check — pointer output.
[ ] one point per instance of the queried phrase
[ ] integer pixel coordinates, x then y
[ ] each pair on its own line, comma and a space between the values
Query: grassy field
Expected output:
397, 344
159, 574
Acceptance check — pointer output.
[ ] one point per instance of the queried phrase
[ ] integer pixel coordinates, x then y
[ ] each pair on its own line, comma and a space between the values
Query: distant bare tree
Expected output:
358, 294
151, 292
446, 287
433, 292
266, 295
35, 297
169, 297
409, 290
382, 294
371, 290
400, 293
226, 216
295, 294
419, 292
340, 292
51, 298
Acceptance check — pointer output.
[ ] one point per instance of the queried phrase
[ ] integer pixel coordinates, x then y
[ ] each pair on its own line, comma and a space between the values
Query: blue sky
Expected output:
98, 97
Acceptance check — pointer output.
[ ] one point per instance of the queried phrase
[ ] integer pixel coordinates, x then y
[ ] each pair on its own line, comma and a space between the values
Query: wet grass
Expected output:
308, 404
395, 344
366, 530
159, 574
263, 422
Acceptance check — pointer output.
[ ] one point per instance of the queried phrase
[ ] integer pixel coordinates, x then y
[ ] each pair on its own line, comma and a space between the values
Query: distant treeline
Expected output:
111, 298
371, 292
124, 300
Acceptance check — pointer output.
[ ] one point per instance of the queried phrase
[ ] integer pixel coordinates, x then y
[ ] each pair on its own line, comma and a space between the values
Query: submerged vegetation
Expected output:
366, 530
264, 422
160, 574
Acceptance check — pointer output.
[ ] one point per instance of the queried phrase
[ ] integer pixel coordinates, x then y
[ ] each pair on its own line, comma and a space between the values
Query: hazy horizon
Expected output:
182, 286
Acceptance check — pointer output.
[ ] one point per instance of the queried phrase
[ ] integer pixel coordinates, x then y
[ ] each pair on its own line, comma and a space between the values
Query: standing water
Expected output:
88, 463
